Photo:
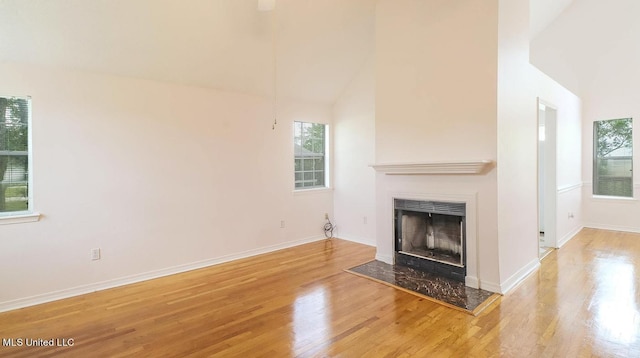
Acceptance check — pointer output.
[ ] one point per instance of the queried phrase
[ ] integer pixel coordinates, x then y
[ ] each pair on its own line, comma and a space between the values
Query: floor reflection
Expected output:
617, 318
311, 318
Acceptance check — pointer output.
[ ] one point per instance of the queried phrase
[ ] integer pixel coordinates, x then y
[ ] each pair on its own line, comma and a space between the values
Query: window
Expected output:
14, 154
310, 159
613, 157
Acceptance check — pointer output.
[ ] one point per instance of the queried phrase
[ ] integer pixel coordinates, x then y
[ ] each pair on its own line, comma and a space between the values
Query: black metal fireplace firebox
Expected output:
430, 236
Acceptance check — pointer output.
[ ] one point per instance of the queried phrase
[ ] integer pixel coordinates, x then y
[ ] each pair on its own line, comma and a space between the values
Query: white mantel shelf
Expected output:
434, 168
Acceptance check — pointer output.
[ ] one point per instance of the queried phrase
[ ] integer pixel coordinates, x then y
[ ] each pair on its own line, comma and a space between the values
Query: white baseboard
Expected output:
99, 286
489, 286
385, 258
613, 227
357, 240
563, 240
519, 276
472, 281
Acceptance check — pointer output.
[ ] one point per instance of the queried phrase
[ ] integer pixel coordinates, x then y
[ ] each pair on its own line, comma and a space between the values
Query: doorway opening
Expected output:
547, 125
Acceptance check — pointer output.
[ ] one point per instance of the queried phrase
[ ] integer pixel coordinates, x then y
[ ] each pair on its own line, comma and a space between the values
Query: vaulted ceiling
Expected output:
317, 46
589, 41
543, 12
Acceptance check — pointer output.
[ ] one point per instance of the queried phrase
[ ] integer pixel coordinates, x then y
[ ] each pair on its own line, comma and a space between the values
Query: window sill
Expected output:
621, 199
19, 218
311, 191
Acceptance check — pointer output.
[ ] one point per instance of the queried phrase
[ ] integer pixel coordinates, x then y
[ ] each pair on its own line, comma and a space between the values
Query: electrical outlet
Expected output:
326, 216
95, 254
282, 224
364, 220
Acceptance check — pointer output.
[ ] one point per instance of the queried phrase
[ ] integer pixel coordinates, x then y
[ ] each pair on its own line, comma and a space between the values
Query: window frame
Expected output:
325, 159
28, 215
595, 164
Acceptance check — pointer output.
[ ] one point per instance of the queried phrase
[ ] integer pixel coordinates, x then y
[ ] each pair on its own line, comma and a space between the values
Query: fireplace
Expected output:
430, 236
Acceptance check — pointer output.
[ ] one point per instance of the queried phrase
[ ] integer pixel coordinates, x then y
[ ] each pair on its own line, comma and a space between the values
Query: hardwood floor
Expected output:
584, 301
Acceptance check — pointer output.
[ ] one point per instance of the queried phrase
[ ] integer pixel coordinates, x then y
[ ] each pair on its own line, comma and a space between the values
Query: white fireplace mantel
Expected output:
434, 168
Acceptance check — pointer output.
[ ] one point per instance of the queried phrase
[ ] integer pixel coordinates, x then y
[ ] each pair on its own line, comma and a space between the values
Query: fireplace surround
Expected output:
462, 182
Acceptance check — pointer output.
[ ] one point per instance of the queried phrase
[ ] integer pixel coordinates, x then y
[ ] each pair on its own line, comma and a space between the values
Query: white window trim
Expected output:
612, 198
311, 191
19, 217
327, 163
609, 198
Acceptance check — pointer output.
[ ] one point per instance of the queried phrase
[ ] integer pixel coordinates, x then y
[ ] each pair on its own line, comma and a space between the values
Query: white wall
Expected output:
436, 69
517, 147
519, 85
354, 148
435, 80
161, 177
613, 95
592, 48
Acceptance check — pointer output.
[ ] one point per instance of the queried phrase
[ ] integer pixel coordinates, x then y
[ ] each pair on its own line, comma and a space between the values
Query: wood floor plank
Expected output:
298, 302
